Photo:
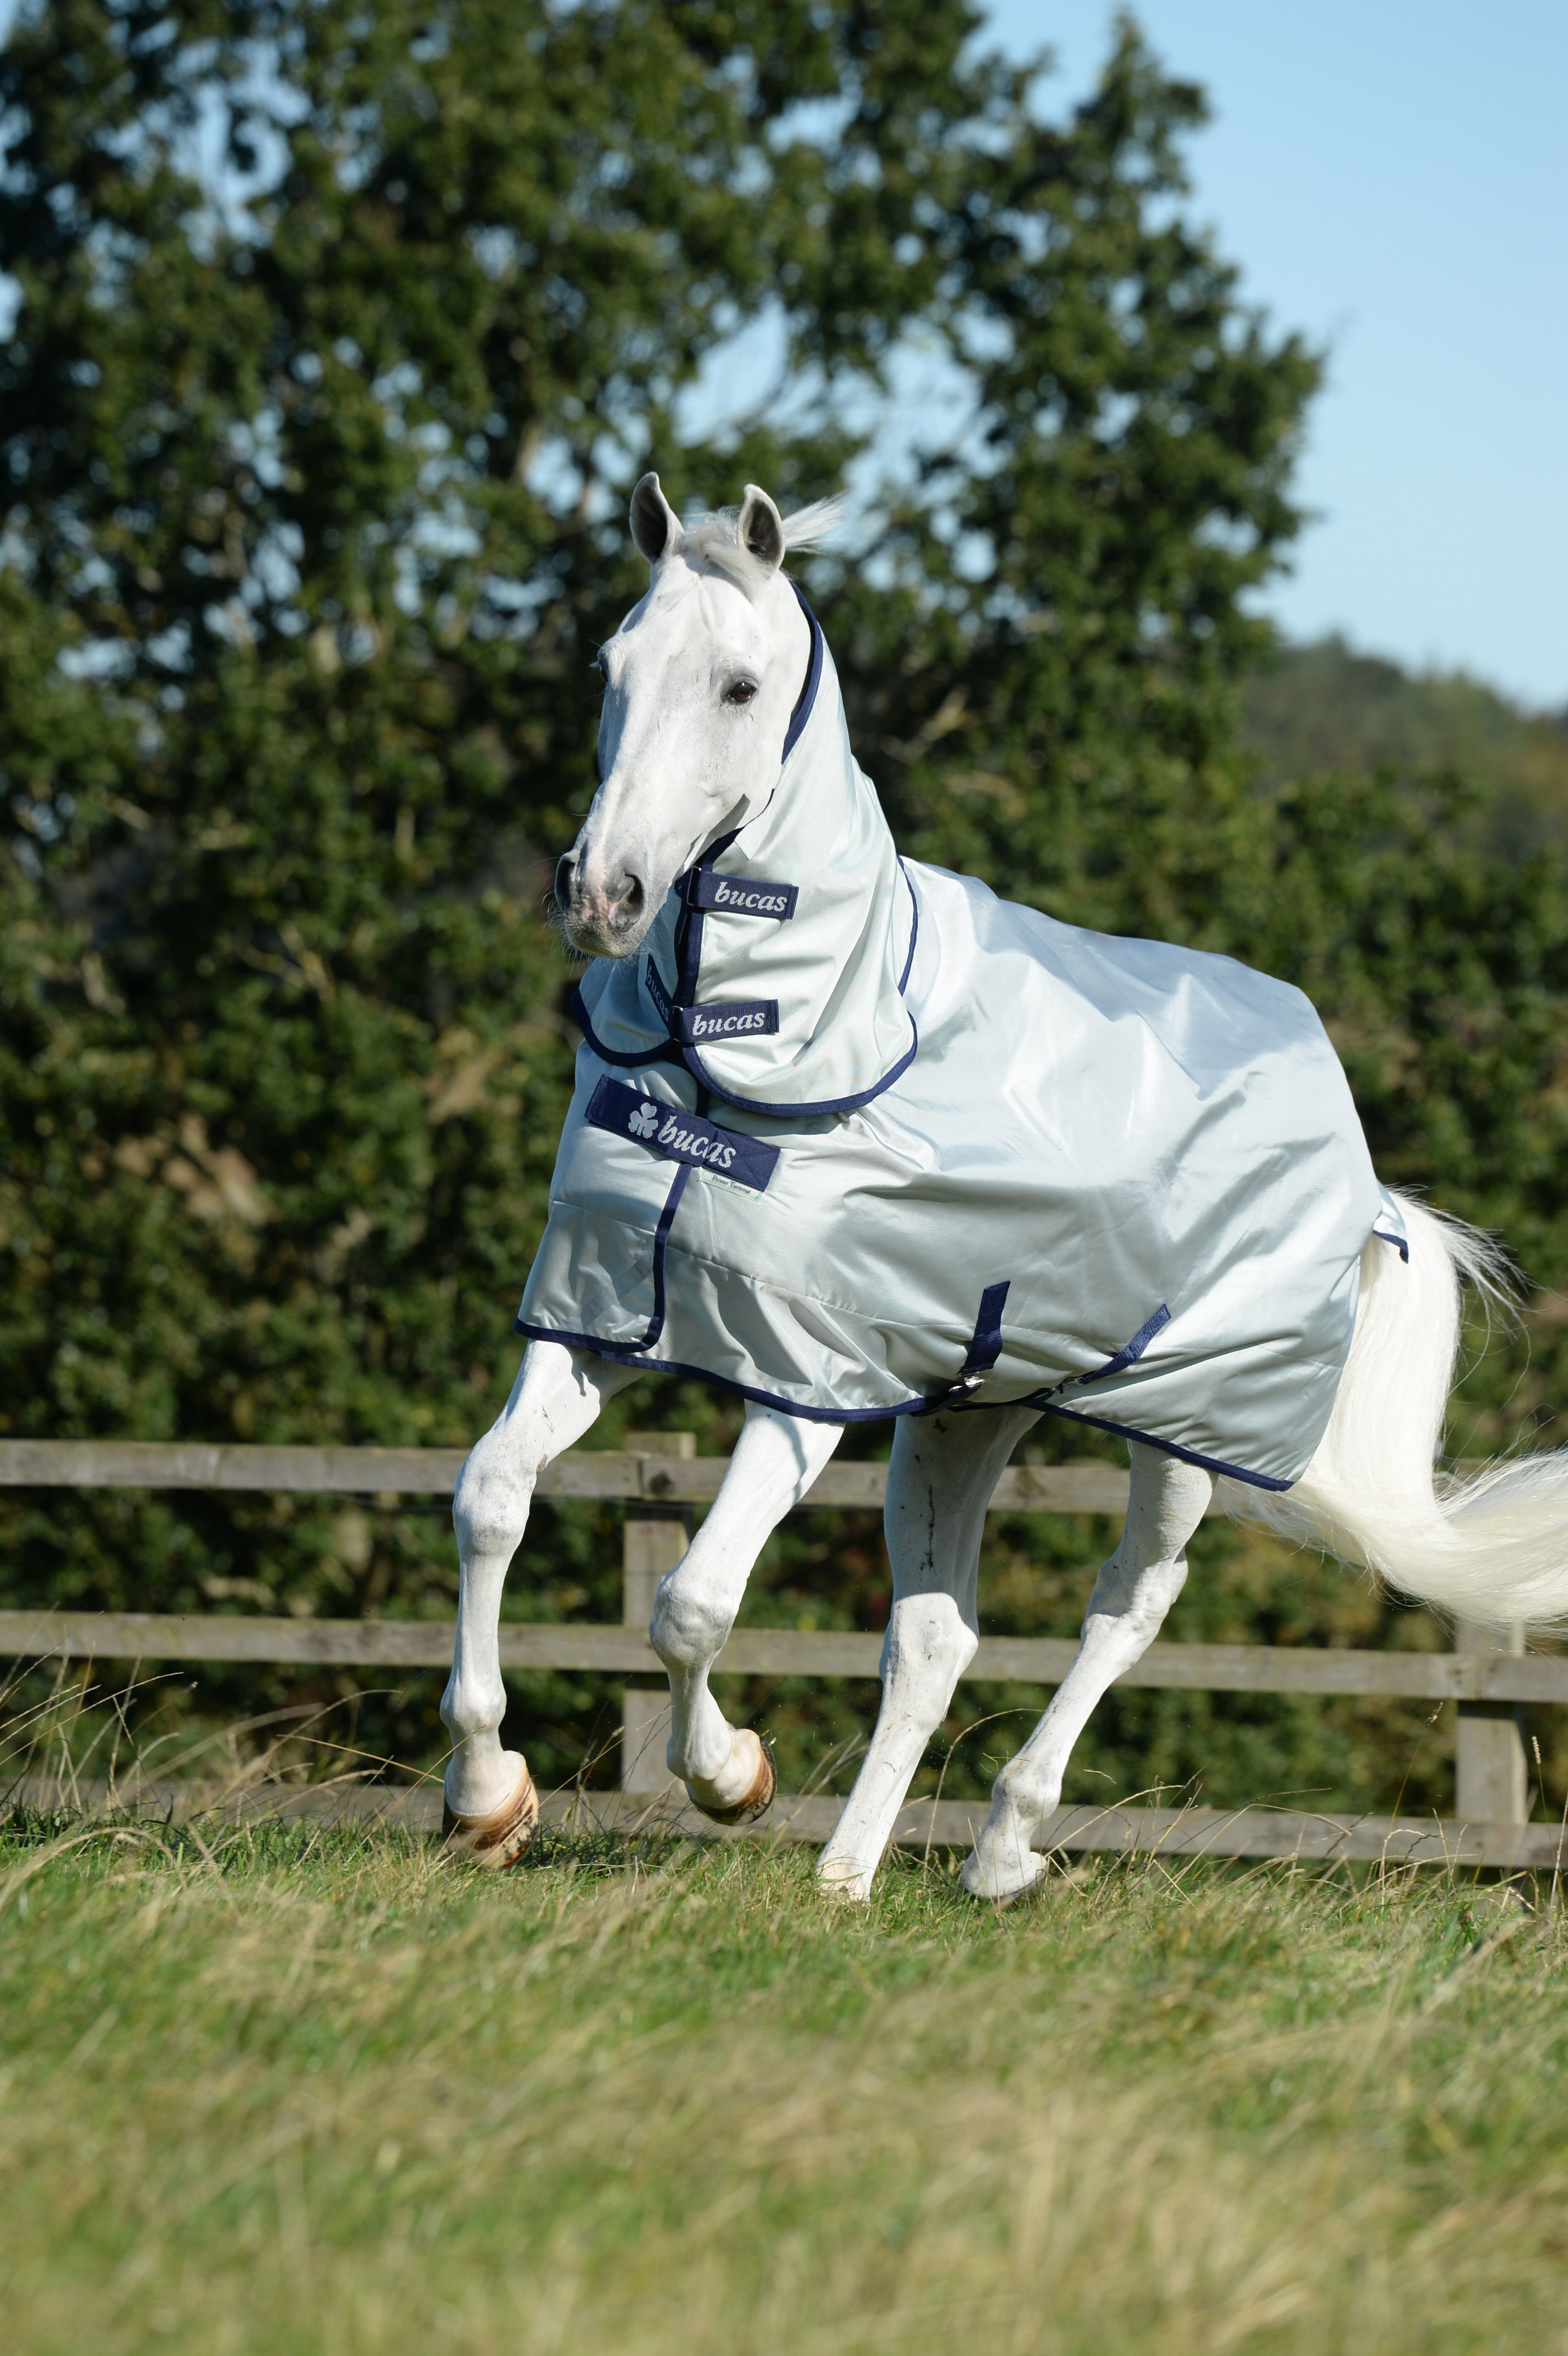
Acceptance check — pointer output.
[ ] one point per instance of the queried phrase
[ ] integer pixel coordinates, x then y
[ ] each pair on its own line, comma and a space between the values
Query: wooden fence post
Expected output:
1491, 1778
654, 1539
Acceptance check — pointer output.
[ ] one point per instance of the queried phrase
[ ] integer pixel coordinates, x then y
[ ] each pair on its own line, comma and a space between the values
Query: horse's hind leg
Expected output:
1131, 1595
943, 1470
730, 1774
491, 1809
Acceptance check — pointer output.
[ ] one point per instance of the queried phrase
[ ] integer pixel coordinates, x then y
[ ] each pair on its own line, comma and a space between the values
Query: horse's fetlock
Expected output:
1026, 1793
472, 1705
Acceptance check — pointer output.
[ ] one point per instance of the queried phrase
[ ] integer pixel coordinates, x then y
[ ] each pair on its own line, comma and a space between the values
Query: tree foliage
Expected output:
1324, 706
341, 333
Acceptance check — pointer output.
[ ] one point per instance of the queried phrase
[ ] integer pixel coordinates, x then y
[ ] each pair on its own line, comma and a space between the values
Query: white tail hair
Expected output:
1492, 1546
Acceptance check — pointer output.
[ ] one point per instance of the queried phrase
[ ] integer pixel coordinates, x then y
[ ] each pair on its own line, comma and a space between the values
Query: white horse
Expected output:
703, 697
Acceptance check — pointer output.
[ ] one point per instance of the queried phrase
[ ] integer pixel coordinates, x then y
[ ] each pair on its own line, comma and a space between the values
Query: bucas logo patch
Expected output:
678, 1135
745, 896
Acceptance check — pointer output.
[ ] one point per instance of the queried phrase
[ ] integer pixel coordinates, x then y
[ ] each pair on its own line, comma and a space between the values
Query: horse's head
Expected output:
699, 681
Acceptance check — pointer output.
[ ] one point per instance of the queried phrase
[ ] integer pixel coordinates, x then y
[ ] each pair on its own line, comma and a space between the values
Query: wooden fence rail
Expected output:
664, 1478
620, 1651
662, 1475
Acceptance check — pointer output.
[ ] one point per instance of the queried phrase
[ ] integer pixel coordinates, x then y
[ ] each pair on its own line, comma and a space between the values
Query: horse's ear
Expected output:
761, 528
655, 527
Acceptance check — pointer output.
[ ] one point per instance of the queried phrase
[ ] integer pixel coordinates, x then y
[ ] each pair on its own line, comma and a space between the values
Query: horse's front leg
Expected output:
943, 1470
730, 1774
491, 1808
1131, 1595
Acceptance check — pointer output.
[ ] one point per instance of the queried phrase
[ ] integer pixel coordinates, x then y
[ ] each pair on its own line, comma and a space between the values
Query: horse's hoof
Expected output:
758, 1799
498, 1838
1003, 1883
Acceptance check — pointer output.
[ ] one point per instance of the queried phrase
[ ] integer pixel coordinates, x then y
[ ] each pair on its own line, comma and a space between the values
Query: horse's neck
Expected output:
822, 797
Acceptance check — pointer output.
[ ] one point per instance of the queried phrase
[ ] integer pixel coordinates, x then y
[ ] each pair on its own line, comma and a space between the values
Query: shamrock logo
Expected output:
644, 1121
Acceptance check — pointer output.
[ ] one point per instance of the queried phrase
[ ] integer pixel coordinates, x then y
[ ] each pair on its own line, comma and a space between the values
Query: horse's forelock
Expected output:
714, 545
714, 542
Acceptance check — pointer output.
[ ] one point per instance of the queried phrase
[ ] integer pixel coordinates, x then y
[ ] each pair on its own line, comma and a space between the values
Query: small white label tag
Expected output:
712, 1178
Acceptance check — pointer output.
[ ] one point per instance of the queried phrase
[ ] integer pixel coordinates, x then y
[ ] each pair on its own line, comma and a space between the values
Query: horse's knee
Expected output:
692, 1618
927, 1648
494, 1490
1136, 1595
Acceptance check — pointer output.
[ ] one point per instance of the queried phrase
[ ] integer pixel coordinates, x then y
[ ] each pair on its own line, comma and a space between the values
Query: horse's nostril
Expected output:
565, 868
631, 896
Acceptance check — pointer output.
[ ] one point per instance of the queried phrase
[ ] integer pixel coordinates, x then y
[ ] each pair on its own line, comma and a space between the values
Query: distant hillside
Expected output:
1326, 707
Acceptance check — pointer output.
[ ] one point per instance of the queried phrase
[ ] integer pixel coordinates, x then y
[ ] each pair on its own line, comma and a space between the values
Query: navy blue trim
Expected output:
687, 885
806, 698
1130, 1352
1398, 1242
802, 1111
656, 1326
1166, 1447
913, 927
627, 1352
661, 1237
688, 949
666, 1048
689, 925
623, 1352
693, 1062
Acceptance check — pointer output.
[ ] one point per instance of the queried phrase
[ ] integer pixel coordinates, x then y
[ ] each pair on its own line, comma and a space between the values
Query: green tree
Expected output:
341, 334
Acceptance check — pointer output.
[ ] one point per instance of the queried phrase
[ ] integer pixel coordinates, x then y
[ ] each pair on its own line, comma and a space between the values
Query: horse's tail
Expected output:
1492, 1547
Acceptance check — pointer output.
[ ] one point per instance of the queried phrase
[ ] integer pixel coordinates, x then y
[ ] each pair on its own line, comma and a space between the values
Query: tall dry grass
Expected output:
275, 2088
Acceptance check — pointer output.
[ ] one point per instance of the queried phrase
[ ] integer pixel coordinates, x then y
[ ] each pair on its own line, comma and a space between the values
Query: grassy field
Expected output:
273, 2090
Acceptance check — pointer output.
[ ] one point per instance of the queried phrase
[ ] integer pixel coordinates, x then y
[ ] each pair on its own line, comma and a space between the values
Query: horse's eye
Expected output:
741, 693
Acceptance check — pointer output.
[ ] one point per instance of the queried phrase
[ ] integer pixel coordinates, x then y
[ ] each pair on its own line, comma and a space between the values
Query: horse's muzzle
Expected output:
604, 921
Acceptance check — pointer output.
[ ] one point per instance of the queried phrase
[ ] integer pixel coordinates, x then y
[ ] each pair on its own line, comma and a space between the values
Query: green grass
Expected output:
270, 2089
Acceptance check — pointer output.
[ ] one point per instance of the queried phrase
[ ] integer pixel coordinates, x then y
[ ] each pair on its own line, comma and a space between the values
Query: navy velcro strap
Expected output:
722, 1018
985, 1349
1131, 1351
680, 1136
742, 895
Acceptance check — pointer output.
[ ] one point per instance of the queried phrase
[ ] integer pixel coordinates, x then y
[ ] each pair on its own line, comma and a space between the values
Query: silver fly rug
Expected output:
854, 1136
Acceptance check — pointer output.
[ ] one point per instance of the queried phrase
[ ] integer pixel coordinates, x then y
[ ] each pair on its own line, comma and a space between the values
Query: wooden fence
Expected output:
658, 1476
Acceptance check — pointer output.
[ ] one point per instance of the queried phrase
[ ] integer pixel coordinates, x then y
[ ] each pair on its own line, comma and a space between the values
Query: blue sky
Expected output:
1393, 177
